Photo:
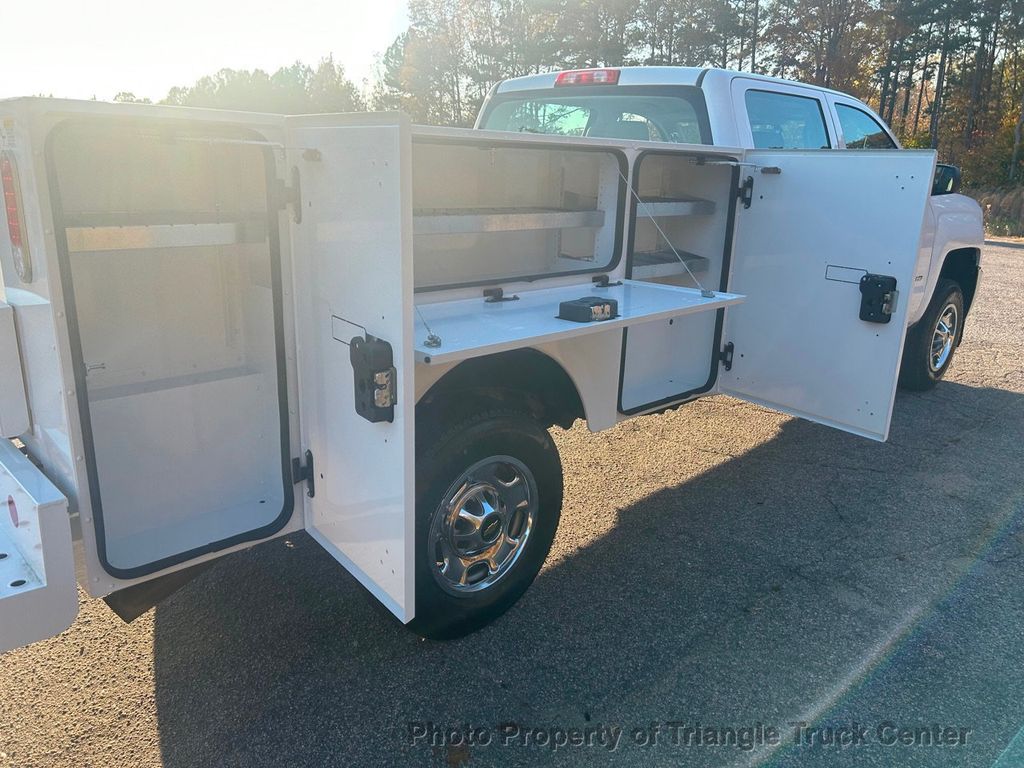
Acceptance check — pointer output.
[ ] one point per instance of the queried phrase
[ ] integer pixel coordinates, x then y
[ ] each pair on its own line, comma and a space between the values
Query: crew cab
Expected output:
738, 109
218, 328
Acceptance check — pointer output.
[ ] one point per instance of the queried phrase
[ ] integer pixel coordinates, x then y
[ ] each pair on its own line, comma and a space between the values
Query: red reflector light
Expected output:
588, 77
7, 171
15, 220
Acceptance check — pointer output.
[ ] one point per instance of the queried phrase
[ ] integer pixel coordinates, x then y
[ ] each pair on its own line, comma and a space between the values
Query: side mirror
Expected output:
947, 179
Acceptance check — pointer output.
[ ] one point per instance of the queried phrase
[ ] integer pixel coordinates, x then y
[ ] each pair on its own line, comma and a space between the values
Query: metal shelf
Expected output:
648, 264
149, 236
454, 221
661, 207
472, 327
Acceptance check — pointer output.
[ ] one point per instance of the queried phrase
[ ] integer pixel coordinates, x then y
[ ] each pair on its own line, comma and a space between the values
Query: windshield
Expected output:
673, 114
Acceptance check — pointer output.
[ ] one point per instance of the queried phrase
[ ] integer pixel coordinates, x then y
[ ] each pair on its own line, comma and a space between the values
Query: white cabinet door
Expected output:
812, 230
352, 254
38, 595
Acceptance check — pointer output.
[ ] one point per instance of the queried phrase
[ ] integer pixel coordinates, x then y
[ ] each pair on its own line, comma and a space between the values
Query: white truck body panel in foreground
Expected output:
201, 279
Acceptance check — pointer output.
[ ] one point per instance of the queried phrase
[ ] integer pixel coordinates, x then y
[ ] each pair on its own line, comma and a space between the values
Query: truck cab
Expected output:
740, 109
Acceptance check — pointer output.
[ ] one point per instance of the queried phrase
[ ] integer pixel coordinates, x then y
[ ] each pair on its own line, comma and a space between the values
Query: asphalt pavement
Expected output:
728, 587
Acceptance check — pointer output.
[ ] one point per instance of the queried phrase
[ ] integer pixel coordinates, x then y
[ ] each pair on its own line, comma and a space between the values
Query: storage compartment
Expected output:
682, 209
172, 266
485, 211
38, 595
679, 237
539, 211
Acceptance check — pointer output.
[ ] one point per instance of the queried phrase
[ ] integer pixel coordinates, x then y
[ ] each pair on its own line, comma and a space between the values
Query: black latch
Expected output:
376, 379
495, 295
304, 473
746, 191
725, 356
289, 194
603, 281
878, 296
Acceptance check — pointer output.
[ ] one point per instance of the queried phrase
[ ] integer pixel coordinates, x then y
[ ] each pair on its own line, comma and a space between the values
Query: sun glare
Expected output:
84, 50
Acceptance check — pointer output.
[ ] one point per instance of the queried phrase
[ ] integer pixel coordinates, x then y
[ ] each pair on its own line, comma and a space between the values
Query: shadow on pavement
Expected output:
780, 584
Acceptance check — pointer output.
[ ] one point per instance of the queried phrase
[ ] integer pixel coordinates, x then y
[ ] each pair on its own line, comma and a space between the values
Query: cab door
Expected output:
824, 250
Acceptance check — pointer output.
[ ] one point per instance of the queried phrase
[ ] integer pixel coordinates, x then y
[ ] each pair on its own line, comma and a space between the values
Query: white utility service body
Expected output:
188, 293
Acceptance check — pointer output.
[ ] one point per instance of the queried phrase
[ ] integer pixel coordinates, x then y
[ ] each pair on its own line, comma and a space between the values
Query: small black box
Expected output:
588, 309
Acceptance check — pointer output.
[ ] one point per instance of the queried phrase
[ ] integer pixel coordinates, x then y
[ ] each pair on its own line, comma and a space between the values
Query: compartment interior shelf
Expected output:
472, 327
453, 221
149, 236
648, 264
675, 206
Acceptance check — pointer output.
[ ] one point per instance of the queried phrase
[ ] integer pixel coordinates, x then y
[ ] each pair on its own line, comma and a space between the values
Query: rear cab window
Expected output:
860, 130
674, 114
785, 120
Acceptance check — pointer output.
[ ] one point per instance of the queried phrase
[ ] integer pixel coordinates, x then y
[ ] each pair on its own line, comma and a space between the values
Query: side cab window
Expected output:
860, 130
780, 116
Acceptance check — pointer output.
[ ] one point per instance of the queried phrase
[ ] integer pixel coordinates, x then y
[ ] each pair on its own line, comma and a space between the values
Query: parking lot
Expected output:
718, 568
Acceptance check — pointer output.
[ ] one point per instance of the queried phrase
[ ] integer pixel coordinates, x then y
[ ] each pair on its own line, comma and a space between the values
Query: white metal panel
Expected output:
38, 595
800, 346
13, 405
473, 327
353, 262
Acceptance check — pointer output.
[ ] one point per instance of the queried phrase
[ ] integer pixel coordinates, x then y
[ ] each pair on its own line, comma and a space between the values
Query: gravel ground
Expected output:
721, 565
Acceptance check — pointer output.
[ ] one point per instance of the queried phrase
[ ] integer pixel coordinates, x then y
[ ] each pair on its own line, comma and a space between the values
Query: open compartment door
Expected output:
354, 301
818, 222
168, 236
38, 595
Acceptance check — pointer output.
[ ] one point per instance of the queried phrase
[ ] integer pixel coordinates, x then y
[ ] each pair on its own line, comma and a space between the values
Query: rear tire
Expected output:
488, 501
931, 341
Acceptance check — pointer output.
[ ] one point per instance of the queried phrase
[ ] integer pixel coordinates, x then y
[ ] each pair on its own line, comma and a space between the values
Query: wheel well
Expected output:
961, 265
524, 376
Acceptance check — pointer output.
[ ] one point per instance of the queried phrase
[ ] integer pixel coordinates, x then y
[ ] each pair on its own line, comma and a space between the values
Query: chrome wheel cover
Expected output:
944, 337
482, 525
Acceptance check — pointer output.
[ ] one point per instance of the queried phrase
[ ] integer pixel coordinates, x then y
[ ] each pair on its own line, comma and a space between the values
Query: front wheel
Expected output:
488, 500
932, 341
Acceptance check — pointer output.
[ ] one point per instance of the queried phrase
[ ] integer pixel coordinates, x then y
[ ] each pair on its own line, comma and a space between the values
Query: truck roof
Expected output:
693, 76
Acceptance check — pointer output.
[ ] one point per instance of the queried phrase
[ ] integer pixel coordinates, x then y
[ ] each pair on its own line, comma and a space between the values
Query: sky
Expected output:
85, 48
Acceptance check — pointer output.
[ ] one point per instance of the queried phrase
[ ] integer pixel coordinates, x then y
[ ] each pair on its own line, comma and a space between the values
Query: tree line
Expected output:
947, 74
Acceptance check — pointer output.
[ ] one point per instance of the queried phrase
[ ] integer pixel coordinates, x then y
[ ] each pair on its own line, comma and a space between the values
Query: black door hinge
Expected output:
285, 195
304, 472
746, 191
725, 356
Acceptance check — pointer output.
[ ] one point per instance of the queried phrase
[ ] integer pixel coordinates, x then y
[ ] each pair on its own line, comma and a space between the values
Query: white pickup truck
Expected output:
738, 109
218, 327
